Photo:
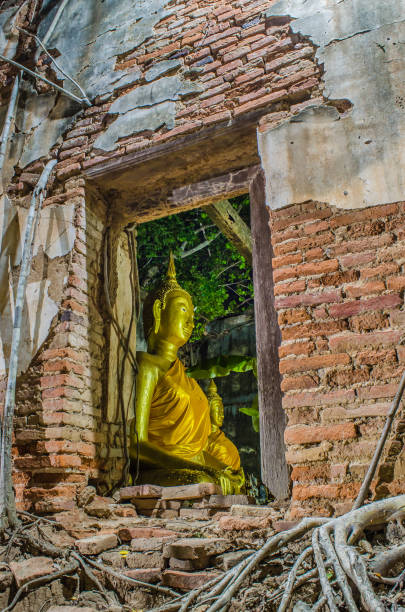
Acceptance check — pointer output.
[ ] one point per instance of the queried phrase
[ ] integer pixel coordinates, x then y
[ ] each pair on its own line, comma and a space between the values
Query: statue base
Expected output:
173, 478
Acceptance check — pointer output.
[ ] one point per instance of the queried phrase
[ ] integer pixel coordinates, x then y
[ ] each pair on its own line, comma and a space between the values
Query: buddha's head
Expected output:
168, 311
216, 406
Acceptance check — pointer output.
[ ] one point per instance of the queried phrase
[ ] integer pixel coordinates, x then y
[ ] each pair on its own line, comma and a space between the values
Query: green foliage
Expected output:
222, 366
253, 411
216, 276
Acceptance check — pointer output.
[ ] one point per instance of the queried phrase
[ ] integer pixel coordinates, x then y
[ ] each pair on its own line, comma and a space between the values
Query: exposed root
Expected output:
336, 564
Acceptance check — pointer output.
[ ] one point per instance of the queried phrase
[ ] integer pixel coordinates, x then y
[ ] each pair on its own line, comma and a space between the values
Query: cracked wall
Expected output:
349, 159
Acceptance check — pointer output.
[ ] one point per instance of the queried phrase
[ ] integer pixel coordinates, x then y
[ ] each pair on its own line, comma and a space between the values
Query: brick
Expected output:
296, 348
265, 100
290, 287
309, 472
318, 399
290, 383
363, 244
141, 492
303, 434
196, 548
286, 260
309, 299
250, 75
144, 560
151, 575
361, 215
212, 101
217, 117
366, 289
327, 491
322, 328
186, 581
313, 363
233, 523
308, 455
147, 544
357, 259
96, 544
247, 510
382, 270
127, 534
371, 357
377, 391
235, 54
351, 308
350, 341
194, 491
34, 567
396, 284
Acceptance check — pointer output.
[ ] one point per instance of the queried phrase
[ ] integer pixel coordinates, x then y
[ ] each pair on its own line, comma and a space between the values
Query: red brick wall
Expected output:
339, 283
338, 278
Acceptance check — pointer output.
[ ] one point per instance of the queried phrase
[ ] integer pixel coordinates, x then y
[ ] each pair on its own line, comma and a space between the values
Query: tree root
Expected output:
387, 559
342, 572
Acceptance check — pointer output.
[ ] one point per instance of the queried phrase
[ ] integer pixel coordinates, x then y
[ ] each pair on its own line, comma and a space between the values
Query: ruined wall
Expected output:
170, 69
339, 276
339, 282
158, 72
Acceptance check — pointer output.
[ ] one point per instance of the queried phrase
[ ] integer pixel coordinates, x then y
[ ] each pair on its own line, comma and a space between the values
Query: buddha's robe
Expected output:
179, 420
221, 447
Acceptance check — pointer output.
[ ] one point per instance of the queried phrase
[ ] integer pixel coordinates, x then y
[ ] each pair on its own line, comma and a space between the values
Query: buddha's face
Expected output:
177, 319
217, 412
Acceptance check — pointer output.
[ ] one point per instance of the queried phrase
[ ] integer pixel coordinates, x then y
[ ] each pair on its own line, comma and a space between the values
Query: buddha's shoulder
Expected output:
152, 363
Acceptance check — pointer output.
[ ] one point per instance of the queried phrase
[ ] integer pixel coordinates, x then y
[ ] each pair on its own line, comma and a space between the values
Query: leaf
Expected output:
222, 365
249, 410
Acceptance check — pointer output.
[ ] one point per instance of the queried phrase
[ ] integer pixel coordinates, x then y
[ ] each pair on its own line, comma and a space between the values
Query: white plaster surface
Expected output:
38, 313
353, 160
55, 237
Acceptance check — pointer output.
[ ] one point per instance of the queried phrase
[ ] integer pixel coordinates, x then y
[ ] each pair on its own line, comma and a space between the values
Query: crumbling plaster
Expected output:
353, 159
89, 37
54, 239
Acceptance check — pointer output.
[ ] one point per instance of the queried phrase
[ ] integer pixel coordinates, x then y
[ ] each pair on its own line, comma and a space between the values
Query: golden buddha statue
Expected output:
221, 447
170, 434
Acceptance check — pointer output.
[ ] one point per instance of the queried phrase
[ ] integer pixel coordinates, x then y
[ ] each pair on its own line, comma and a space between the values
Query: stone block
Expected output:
194, 491
248, 511
148, 544
126, 534
140, 491
151, 575
27, 570
96, 544
126, 511
144, 560
189, 565
234, 523
226, 501
196, 548
186, 581
197, 513
113, 558
86, 496
101, 507
230, 559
